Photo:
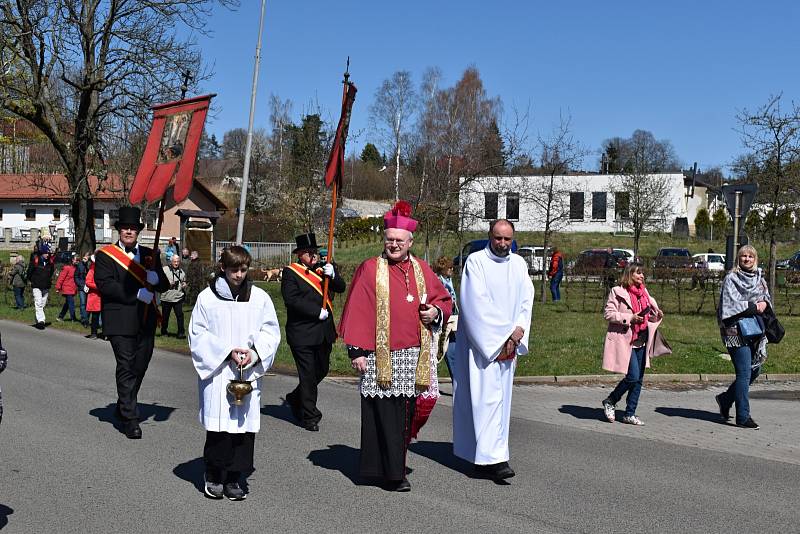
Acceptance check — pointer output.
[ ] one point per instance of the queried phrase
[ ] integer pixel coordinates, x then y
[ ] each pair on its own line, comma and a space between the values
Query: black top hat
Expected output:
305, 242
129, 215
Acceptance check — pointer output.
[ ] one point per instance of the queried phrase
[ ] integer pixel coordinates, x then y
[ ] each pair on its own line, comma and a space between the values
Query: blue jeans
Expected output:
450, 357
555, 291
69, 304
632, 383
19, 298
739, 391
84, 313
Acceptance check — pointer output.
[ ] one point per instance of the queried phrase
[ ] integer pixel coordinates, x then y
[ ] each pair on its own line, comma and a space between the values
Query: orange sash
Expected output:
134, 269
312, 278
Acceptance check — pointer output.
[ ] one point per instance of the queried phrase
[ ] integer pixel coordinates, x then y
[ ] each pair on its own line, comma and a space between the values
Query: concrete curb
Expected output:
610, 379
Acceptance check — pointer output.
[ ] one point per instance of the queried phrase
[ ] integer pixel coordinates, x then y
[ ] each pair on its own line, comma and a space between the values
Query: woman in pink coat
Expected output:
633, 317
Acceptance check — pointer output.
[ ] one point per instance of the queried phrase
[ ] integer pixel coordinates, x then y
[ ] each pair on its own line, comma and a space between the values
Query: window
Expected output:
512, 206
150, 219
599, 206
98, 219
576, 206
490, 206
56, 214
30, 214
622, 202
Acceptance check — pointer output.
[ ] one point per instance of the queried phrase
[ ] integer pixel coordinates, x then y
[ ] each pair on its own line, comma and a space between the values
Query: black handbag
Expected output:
773, 329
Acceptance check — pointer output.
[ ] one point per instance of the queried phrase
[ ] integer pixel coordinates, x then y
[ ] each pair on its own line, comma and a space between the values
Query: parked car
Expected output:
710, 261
672, 258
474, 246
627, 255
595, 260
791, 263
535, 258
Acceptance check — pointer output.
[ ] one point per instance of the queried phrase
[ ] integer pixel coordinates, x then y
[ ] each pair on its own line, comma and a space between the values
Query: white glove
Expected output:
152, 278
328, 271
145, 295
85, 288
323, 314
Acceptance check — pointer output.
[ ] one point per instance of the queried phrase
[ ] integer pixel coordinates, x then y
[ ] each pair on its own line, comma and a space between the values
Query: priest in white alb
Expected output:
496, 301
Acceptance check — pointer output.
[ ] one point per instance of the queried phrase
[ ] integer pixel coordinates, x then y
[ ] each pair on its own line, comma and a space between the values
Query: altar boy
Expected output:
233, 329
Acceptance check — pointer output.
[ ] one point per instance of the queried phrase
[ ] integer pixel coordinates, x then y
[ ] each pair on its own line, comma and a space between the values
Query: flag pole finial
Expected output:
347, 72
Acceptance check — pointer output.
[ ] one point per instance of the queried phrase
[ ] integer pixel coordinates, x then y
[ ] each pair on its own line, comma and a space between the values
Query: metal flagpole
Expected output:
248, 146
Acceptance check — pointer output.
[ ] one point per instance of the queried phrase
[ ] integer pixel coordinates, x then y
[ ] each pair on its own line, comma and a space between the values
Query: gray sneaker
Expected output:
213, 490
234, 491
609, 410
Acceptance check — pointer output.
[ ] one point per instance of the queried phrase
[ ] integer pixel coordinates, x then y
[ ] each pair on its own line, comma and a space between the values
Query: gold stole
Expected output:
383, 358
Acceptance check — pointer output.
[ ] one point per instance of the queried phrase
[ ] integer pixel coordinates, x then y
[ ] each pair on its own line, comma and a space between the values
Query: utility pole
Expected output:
249, 145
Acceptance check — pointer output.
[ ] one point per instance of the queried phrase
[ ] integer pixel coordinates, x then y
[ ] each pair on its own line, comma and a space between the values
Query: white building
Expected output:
588, 202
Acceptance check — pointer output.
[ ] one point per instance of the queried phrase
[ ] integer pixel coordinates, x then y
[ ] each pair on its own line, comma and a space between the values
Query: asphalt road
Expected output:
65, 468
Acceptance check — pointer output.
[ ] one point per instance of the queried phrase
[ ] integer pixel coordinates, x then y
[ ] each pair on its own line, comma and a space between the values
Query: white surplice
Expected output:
496, 296
218, 325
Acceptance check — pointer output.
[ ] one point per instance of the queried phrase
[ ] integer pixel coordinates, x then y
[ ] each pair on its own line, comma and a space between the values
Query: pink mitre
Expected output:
400, 217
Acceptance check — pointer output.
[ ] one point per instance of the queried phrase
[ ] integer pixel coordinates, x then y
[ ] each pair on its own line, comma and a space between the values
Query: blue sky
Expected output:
681, 69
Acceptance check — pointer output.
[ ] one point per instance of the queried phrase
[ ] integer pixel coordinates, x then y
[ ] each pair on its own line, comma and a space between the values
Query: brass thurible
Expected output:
239, 389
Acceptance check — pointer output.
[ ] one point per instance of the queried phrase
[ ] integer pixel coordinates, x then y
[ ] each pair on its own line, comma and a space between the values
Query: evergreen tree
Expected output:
702, 224
371, 156
720, 223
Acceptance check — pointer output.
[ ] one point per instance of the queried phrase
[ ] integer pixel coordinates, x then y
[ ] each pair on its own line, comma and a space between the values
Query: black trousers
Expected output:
228, 455
133, 355
385, 433
313, 363
165, 309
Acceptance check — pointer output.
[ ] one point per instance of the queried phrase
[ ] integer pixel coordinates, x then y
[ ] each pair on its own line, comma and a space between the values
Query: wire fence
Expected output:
267, 255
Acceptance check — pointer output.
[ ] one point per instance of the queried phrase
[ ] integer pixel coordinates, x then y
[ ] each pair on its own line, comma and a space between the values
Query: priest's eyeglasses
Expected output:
398, 242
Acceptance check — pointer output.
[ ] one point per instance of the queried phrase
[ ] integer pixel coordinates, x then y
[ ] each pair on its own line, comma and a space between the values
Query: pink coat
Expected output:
617, 348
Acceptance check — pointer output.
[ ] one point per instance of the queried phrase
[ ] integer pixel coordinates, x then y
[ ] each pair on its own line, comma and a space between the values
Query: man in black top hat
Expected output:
310, 330
126, 275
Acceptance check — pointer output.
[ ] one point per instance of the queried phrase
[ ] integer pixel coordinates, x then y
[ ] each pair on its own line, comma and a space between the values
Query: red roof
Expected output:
53, 187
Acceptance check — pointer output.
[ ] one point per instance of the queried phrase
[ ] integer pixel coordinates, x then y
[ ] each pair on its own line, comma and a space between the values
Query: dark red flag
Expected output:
334, 169
171, 150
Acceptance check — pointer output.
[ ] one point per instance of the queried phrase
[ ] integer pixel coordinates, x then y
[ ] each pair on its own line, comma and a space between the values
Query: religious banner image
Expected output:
171, 150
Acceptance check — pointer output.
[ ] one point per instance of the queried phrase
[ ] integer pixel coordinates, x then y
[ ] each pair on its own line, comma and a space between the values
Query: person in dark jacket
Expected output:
40, 275
81, 270
18, 282
310, 331
127, 274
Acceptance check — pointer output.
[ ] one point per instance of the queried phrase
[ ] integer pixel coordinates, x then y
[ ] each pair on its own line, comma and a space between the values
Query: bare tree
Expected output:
75, 68
560, 153
390, 114
772, 138
644, 184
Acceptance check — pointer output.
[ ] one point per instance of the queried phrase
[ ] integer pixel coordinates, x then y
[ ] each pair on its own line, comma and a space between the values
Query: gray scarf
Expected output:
739, 289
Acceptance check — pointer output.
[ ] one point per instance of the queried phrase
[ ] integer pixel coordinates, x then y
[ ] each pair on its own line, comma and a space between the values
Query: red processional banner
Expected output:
171, 150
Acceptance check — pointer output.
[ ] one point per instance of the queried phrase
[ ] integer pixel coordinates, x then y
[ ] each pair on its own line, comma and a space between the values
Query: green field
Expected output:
567, 337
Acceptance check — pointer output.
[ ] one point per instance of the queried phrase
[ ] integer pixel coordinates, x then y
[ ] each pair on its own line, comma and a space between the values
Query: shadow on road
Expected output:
282, 412
691, 413
146, 411
442, 452
5, 511
340, 458
192, 472
583, 412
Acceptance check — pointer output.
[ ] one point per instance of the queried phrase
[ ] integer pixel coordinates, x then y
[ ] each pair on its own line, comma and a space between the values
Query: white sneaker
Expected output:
610, 411
632, 420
